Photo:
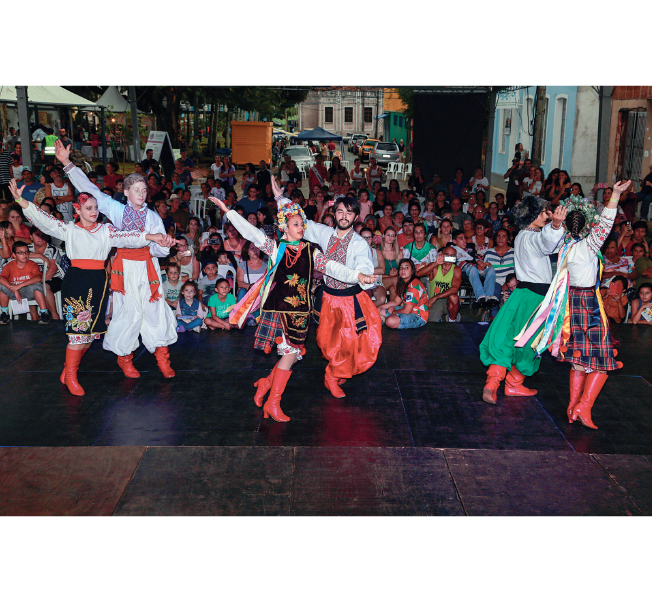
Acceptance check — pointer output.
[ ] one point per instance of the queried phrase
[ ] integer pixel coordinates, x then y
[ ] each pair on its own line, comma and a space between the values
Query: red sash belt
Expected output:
88, 264
117, 273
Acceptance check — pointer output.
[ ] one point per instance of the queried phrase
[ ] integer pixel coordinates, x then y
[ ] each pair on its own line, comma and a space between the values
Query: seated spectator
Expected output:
208, 281
328, 219
444, 234
161, 207
120, 192
614, 263
414, 211
16, 218
50, 255
21, 279
642, 307
474, 268
445, 279
220, 305
180, 216
642, 272
493, 218
467, 227
407, 234
251, 203
380, 200
408, 308
419, 250
397, 221
501, 258
480, 239
193, 233
186, 260
429, 216
251, 269
172, 285
416, 181
614, 300
248, 178
6, 242
386, 221
234, 242
31, 186
632, 234
394, 192
378, 292
508, 288
112, 175
189, 312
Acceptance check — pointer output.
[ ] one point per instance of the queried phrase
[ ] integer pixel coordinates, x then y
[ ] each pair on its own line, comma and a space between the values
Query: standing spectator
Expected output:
95, 143
331, 149
217, 166
645, 196
416, 181
457, 184
146, 163
111, 176
226, 174
401, 149
263, 176
78, 138
187, 164
513, 177
63, 136
251, 203
374, 173
16, 168
317, 174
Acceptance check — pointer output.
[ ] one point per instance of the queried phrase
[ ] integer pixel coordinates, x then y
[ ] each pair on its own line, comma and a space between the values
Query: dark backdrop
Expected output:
448, 133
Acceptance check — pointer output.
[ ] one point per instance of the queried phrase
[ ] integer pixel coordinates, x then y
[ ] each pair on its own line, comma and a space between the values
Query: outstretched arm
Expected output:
341, 272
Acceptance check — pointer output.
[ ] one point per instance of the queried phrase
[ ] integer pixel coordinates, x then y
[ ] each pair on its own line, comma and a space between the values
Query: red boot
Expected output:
126, 363
594, 383
63, 372
163, 360
514, 385
495, 374
272, 406
73, 357
263, 385
333, 384
577, 380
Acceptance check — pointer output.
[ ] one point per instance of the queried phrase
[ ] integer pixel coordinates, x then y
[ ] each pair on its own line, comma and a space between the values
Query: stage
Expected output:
412, 437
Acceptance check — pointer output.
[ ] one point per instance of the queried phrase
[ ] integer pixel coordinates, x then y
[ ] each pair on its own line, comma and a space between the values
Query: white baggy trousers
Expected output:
134, 315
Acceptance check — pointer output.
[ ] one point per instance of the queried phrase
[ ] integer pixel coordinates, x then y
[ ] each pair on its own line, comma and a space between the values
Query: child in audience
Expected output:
220, 305
172, 286
642, 307
614, 300
207, 283
189, 313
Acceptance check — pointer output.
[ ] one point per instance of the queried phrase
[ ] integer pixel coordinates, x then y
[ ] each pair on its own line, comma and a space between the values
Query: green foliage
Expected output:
407, 97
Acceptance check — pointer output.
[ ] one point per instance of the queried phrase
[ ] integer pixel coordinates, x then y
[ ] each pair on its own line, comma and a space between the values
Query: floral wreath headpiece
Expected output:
584, 206
287, 211
83, 197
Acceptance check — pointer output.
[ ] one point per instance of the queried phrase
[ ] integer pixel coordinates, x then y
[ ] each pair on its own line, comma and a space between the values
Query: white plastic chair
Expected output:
400, 170
390, 169
223, 271
194, 190
408, 171
327, 164
346, 164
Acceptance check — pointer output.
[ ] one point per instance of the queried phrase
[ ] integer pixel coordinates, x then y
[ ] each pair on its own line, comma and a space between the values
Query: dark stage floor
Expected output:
412, 437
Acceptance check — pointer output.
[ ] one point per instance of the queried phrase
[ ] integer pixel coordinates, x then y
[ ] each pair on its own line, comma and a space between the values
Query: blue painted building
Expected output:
570, 125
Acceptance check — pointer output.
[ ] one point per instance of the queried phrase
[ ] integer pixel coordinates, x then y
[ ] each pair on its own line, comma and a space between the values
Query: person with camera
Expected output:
445, 280
513, 177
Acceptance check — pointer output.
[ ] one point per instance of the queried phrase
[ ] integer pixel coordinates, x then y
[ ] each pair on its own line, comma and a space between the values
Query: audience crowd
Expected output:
435, 245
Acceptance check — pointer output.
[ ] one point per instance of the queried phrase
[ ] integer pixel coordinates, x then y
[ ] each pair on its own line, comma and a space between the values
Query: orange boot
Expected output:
263, 385
63, 372
272, 406
495, 375
577, 380
594, 383
163, 360
333, 384
126, 363
514, 384
73, 357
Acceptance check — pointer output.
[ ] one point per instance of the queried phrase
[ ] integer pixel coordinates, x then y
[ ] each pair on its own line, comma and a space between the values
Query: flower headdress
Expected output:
586, 208
82, 197
288, 210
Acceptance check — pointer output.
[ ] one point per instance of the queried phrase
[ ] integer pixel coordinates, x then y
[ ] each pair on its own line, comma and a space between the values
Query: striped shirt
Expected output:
5, 167
502, 265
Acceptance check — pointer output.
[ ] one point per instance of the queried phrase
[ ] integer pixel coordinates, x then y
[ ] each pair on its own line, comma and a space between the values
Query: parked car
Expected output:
301, 154
356, 138
366, 148
385, 152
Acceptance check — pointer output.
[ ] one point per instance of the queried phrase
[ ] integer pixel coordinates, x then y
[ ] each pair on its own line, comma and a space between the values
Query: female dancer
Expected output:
575, 321
285, 291
84, 287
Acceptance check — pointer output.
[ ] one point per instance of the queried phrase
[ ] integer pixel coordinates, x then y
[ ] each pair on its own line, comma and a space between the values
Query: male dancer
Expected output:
533, 270
138, 302
349, 333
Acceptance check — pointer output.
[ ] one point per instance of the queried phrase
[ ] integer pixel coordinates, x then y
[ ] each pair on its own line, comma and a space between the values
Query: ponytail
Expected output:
575, 222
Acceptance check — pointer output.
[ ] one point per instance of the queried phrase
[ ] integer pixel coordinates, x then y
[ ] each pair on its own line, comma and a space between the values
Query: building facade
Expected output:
343, 110
570, 131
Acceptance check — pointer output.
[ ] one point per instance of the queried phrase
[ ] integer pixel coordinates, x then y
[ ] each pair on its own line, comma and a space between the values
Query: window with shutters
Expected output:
348, 114
328, 114
368, 114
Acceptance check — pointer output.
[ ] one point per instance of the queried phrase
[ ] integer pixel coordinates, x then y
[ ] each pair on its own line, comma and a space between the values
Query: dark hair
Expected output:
575, 222
92, 174
172, 264
639, 224
510, 276
190, 283
17, 245
254, 186
402, 286
506, 231
456, 233
621, 279
421, 226
636, 244
413, 204
579, 186
220, 280
350, 204
245, 251
365, 229
645, 285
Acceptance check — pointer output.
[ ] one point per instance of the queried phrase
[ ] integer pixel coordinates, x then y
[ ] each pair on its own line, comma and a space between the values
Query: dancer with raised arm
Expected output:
84, 290
349, 332
139, 308
575, 325
285, 294
536, 240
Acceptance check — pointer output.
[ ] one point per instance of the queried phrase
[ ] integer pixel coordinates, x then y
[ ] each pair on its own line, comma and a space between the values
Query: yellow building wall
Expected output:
392, 102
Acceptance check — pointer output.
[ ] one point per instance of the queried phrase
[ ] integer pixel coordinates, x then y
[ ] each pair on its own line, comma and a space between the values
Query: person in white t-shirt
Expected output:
479, 182
216, 167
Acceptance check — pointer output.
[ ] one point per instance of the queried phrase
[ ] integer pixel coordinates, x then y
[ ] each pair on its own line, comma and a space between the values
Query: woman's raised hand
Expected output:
558, 216
620, 187
275, 187
220, 204
15, 191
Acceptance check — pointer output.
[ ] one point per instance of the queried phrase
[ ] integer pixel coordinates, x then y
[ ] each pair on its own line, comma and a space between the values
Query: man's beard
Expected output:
340, 227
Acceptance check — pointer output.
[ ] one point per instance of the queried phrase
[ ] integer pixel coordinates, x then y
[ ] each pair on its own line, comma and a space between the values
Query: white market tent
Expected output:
51, 96
112, 99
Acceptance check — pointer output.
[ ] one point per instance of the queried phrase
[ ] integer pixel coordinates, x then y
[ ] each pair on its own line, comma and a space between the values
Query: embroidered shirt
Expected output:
336, 251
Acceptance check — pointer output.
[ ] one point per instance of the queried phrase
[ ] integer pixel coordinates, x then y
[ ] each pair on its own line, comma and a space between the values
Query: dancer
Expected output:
533, 270
84, 287
349, 332
576, 327
285, 292
140, 307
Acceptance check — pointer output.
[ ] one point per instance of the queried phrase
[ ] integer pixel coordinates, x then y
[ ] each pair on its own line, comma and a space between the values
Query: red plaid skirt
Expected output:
269, 327
593, 344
